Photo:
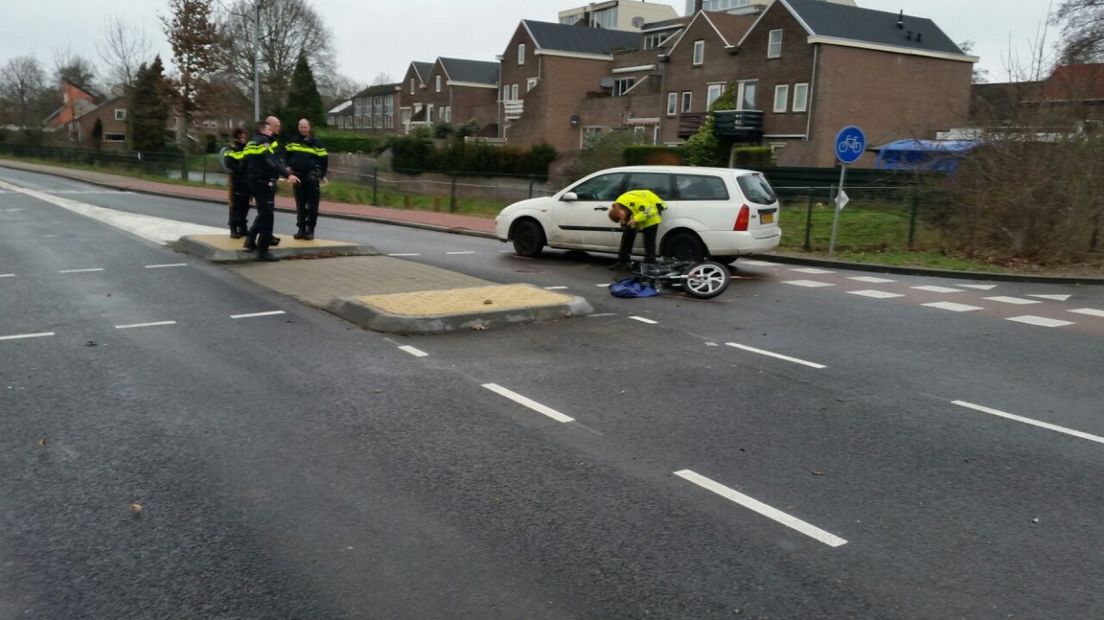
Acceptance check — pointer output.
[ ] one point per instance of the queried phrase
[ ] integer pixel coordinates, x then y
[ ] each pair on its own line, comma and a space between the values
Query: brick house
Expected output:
458, 90
547, 70
341, 115
413, 84
373, 110
807, 68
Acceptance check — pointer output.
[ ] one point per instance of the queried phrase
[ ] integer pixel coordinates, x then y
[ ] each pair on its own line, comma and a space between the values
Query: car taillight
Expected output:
742, 219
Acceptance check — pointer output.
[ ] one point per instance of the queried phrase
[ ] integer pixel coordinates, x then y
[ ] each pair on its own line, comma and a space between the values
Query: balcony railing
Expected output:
738, 124
512, 109
689, 124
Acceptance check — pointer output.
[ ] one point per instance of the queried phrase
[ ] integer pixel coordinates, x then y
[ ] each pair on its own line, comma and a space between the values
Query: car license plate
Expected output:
766, 218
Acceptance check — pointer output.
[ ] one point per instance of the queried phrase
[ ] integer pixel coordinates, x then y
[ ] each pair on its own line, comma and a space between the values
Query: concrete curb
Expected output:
198, 248
927, 271
376, 320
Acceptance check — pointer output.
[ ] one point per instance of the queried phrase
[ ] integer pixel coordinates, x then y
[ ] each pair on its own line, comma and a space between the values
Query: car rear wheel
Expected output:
528, 239
685, 246
706, 280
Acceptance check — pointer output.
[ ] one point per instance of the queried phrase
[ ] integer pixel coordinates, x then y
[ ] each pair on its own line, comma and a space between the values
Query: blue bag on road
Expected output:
631, 287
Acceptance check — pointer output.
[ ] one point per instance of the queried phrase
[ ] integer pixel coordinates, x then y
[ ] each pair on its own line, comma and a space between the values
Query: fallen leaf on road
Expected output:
1035, 520
90, 343
479, 328
135, 507
487, 302
42, 442
817, 472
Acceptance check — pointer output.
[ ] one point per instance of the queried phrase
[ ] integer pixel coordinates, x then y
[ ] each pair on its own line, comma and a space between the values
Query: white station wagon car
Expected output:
721, 213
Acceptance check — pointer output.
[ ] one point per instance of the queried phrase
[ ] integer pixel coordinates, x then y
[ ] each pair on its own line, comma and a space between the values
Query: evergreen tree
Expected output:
148, 108
96, 137
703, 148
304, 100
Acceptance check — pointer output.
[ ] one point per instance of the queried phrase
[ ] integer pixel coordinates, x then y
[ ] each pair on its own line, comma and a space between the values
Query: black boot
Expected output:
274, 241
309, 235
267, 257
300, 233
250, 243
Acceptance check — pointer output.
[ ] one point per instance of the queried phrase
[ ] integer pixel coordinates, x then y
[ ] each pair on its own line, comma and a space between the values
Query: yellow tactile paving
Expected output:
478, 300
224, 242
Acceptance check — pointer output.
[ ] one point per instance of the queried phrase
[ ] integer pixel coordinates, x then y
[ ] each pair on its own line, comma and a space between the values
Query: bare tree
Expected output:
1082, 23
287, 28
73, 68
22, 83
336, 88
382, 78
123, 47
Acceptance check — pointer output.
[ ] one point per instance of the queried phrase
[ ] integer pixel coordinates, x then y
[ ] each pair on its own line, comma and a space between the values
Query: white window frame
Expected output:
411, 86
713, 92
437, 84
513, 92
781, 96
620, 87
530, 84
774, 48
741, 89
672, 103
521, 54
802, 104
699, 53
120, 114
687, 100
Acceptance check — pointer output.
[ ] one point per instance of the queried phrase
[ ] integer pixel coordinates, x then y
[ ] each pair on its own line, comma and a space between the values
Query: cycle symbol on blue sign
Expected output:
850, 144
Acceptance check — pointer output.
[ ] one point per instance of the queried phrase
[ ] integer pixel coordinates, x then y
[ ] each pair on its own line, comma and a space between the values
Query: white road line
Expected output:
1089, 312
980, 287
813, 270
807, 283
1041, 321
871, 279
1052, 297
601, 314
81, 270
414, 351
505, 251
7, 275
555, 288
605, 285
154, 324
406, 254
875, 294
953, 307
1018, 301
711, 344
525, 402
22, 336
776, 355
166, 266
936, 289
757, 506
254, 315
1046, 425
456, 253
644, 320
757, 263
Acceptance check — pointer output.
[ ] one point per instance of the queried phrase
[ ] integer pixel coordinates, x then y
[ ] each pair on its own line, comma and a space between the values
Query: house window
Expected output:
530, 84
699, 52
672, 103
774, 45
724, 5
801, 98
622, 85
604, 18
448, 113
521, 53
505, 92
745, 95
590, 134
411, 86
513, 92
652, 41
687, 100
114, 137
438, 83
120, 114
781, 97
713, 93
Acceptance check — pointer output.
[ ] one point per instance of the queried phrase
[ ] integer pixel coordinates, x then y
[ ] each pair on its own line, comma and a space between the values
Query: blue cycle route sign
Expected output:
850, 144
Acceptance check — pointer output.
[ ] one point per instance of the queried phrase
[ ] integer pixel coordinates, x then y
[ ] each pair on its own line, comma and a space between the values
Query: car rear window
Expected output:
700, 187
756, 189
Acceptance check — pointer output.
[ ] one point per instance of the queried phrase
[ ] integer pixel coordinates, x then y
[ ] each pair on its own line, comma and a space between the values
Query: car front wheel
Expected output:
528, 239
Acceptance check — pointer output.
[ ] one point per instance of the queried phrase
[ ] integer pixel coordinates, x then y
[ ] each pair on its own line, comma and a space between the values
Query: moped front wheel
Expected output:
706, 280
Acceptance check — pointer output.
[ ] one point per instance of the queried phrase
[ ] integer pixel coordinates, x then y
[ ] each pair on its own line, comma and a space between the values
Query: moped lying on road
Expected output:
698, 279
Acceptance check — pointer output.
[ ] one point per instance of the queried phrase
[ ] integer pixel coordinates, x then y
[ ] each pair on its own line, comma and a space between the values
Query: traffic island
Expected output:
223, 249
439, 311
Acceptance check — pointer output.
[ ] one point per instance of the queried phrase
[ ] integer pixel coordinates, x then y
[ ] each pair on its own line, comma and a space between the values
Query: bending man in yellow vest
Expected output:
637, 210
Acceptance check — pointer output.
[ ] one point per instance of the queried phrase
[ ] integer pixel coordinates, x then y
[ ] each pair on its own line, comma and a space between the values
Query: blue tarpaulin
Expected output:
928, 155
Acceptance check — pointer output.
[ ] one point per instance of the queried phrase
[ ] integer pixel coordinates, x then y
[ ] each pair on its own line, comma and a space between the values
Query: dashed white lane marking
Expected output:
936, 289
644, 320
808, 283
505, 251
1052, 297
405, 254
776, 355
416, 352
94, 269
1089, 312
871, 279
711, 344
601, 315
526, 402
7, 275
1018, 301
458, 253
759, 507
876, 294
154, 324
980, 287
22, 336
1041, 321
953, 307
812, 270
1017, 418
166, 266
757, 263
555, 288
605, 285
253, 315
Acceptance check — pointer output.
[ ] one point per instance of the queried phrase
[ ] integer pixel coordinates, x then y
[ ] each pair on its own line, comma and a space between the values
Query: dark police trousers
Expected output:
628, 237
264, 195
239, 203
307, 195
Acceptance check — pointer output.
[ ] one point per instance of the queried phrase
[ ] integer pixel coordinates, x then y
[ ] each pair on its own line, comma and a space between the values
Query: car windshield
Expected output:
756, 189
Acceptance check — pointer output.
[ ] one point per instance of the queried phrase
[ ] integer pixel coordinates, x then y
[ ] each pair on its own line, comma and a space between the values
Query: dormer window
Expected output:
411, 86
438, 83
699, 52
521, 53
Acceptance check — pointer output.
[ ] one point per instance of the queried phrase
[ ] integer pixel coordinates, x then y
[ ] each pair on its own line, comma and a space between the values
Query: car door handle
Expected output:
601, 208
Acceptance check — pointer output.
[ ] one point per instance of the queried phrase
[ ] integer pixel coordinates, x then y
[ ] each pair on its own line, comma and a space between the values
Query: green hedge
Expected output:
416, 154
652, 155
754, 157
349, 142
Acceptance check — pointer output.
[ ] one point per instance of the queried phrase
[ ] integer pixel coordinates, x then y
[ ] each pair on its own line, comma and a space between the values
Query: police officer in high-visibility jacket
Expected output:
637, 210
262, 169
308, 159
237, 186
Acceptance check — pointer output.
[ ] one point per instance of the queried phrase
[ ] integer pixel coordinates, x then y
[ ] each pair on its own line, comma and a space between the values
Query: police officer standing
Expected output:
262, 169
238, 187
308, 159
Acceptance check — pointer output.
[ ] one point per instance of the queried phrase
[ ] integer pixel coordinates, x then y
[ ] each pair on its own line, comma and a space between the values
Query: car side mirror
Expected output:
569, 197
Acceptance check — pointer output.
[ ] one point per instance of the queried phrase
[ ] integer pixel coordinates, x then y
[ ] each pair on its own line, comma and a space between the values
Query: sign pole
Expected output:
836, 217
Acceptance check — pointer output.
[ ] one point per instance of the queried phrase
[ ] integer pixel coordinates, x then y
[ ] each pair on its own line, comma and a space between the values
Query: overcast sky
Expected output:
377, 36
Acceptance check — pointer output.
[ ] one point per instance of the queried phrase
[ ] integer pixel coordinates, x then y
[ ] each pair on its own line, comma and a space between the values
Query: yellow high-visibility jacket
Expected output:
644, 205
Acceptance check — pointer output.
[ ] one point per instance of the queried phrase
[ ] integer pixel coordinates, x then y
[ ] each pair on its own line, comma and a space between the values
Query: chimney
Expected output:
901, 21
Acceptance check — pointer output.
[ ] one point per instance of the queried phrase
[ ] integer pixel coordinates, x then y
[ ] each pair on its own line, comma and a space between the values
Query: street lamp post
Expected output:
257, 61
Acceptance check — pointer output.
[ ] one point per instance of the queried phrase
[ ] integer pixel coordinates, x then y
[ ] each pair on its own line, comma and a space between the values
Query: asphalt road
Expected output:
900, 460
